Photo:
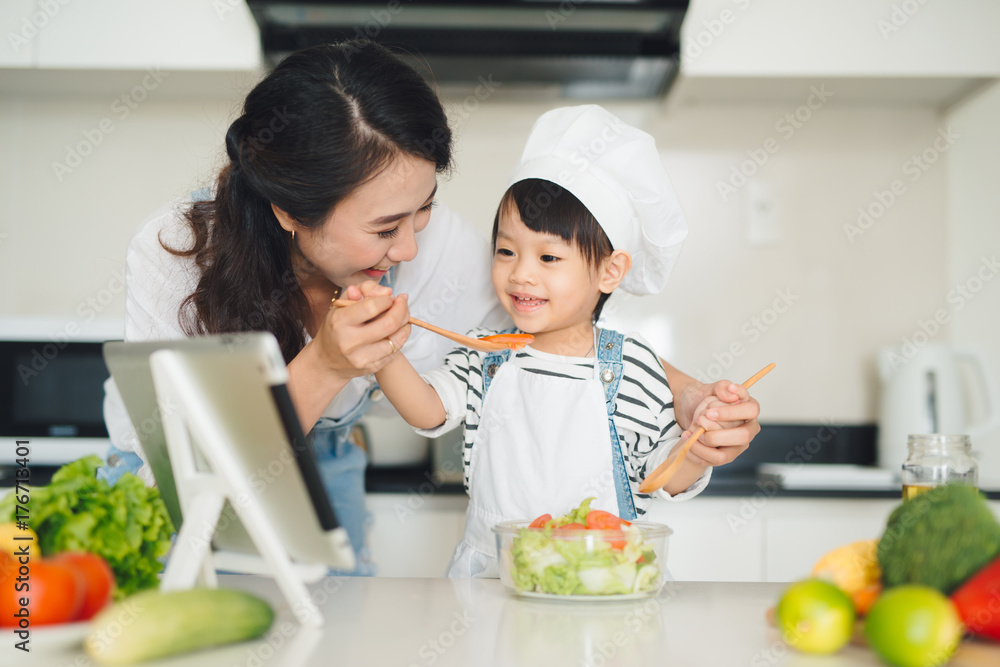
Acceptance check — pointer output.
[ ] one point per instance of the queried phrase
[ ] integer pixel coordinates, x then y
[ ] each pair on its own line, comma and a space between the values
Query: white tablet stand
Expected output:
206, 475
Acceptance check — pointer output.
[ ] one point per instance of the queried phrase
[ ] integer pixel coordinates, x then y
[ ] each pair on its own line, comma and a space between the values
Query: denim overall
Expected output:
539, 447
609, 359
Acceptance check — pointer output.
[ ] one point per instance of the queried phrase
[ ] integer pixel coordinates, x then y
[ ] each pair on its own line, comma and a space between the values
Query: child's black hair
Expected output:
547, 208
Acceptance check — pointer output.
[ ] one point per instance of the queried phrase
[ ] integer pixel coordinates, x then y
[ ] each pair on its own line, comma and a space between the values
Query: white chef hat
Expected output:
615, 170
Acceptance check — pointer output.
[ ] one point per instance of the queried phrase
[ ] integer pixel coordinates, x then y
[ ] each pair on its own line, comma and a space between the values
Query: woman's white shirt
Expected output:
448, 283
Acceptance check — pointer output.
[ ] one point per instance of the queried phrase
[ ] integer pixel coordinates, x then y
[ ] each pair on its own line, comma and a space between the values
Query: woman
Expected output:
331, 181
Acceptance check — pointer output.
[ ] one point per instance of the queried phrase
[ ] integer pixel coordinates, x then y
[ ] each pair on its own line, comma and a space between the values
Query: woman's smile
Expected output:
376, 272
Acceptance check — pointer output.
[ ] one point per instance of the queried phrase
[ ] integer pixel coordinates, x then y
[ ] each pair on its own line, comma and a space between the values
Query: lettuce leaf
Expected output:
126, 523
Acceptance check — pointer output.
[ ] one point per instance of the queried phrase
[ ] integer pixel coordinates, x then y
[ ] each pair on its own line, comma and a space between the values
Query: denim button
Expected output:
607, 375
377, 395
491, 370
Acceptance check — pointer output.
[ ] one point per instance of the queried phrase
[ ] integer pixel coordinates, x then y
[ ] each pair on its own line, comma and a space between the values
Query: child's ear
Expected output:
615, 268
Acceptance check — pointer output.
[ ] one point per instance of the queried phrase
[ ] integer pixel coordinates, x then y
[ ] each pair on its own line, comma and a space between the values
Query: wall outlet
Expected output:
761, 216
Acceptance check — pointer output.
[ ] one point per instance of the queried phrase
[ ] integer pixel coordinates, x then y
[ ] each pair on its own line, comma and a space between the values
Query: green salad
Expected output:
615, 562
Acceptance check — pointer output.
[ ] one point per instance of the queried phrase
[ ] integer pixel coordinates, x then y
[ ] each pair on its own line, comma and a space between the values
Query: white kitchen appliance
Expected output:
52, 387
936, 388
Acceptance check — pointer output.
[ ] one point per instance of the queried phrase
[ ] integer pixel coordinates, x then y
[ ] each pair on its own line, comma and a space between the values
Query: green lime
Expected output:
815, 616
913, 626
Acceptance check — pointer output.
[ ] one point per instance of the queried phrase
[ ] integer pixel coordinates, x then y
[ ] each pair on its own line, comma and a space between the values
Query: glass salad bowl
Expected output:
582, 563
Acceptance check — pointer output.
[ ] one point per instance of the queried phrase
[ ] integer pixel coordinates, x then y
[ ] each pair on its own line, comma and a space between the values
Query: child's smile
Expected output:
525, 303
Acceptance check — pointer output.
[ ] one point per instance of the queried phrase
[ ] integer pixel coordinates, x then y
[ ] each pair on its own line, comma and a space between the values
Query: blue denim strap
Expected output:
117, 462
492, 362
342, 468
609, 358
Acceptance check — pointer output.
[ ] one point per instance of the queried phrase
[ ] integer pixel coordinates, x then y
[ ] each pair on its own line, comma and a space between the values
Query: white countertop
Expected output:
443, 622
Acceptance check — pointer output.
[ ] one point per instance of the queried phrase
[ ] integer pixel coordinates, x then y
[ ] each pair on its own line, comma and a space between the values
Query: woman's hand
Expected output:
360, 339
729, 415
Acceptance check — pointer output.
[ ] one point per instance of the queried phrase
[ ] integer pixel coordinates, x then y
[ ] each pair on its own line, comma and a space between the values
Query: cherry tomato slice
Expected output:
601, 520
540, 521
572, 526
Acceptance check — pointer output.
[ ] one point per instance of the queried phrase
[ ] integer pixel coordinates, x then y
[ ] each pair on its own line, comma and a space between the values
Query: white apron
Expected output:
543, 444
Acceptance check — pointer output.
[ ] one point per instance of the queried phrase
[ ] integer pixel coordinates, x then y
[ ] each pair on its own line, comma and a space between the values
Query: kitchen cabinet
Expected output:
898, 51
414, 534
19, 25
761, 538
848, 38
797, 534
705, 544
126, 35
757, 538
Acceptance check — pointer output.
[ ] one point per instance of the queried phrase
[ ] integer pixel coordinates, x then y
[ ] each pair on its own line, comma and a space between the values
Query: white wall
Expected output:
82, 169
849, 298
974, 234
64, 240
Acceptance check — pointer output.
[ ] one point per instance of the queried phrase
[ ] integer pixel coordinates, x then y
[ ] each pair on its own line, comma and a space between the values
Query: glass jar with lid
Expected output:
937, 459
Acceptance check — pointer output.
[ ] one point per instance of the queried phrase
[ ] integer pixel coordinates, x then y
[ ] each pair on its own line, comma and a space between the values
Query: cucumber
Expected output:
152, 624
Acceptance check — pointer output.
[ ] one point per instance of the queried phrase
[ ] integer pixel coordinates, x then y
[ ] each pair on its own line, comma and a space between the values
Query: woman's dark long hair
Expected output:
322, 123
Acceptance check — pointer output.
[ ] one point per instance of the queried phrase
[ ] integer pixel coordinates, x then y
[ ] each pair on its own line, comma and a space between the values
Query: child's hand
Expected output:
729, 416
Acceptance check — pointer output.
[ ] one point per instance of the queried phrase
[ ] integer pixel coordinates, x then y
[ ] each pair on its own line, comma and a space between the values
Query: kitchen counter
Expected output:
414, 622
422, 481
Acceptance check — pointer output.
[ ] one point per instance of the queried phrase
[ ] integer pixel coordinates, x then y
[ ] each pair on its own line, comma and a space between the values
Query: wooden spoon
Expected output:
665, 471
484, 344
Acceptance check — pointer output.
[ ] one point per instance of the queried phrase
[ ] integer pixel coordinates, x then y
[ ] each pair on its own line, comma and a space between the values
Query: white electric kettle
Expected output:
932, 389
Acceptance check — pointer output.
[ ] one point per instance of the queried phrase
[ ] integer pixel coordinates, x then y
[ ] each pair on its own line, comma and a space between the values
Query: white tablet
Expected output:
241, 382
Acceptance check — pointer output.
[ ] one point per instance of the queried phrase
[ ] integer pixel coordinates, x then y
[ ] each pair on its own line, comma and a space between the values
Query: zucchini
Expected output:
152, 624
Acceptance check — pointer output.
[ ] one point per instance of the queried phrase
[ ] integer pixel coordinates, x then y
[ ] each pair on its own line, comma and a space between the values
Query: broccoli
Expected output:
939, 539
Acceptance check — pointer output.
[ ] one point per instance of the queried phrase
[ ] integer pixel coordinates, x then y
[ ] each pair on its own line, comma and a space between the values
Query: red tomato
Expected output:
975, 601
601, 520
54, 592
540, 521
572, 526
98, 578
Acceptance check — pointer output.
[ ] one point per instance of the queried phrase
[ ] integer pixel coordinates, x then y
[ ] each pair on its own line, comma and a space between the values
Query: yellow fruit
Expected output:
913, 626
852, 567
815, 616
12, 539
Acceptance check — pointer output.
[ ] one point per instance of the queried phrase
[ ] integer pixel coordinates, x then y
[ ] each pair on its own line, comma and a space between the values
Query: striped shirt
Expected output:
644, 407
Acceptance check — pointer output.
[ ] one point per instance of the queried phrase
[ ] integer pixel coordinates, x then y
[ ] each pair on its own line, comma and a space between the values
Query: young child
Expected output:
583, 411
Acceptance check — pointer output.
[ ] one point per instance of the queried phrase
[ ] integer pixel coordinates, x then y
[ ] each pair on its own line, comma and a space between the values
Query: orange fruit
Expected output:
853, 568
864, 598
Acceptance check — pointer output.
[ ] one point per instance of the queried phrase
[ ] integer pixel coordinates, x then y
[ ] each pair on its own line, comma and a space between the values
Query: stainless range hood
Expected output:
623, 48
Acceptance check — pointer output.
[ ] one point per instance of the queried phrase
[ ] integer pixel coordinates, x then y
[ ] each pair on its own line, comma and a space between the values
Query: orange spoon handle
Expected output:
666, 470
474, 343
